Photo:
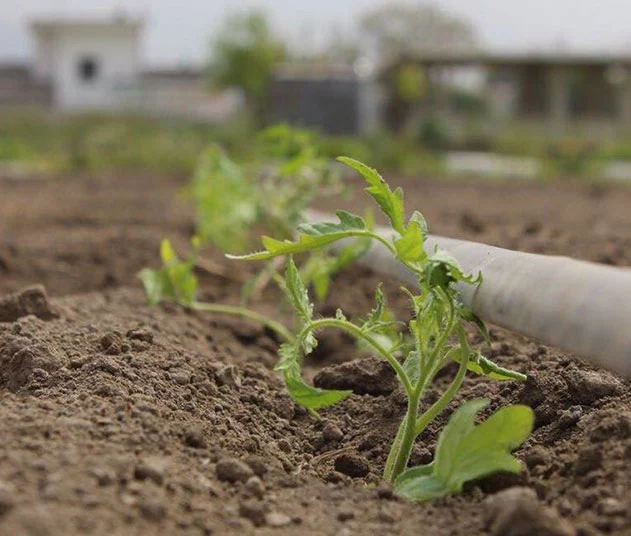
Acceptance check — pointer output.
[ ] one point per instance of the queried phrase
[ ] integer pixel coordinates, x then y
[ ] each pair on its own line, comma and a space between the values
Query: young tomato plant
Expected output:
273, 193
436, 337
176, 282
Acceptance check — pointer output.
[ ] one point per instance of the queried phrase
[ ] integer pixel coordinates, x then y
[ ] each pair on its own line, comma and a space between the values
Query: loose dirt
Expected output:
120, 419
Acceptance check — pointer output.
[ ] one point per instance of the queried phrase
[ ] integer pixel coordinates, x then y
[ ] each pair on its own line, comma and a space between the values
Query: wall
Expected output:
115, 51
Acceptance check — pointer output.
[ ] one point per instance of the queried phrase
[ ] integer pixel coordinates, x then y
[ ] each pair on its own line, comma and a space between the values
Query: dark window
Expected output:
88, 69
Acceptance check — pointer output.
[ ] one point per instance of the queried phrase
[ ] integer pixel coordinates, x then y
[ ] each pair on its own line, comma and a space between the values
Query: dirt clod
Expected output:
369, 376
588, 386
152, 468
609, 506
351, 464
254, 485
588, 460
277, 519
194, 437
256, 464
331, 432
28, 301
517, 512
228, 375
7, 497
233, 470
254, 510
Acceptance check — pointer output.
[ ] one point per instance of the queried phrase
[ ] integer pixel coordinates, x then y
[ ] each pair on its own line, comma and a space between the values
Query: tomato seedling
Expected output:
436, 338
231, 199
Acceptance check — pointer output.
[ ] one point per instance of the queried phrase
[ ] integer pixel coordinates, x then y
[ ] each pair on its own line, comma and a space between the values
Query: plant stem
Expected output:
394, 451
406, 442
446, 397
352, 329
242, 312
412, 426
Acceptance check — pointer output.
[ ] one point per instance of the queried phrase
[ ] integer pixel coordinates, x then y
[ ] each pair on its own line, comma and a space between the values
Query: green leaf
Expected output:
485, 367
412, 366
348, 222
391, 203
467, 452
443, 269
420, 219
297, 292
298, 297
303, 394
410, 246
175, 280
226, 202
154, 283
167, 253
275, 248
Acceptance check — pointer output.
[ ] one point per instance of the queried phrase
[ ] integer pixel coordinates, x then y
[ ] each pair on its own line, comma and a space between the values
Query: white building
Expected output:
88, 63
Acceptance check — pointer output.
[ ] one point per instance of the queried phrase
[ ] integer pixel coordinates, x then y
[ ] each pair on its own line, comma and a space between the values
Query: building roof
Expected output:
488, 58
51, 24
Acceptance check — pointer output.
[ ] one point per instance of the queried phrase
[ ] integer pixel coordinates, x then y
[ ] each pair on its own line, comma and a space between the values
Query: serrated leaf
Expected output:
303, 394
390, 202
297, 293
276, 248
420, 219
347, 222
312, 398
412, 366
443, 269
378, 312
410, 246
466, 452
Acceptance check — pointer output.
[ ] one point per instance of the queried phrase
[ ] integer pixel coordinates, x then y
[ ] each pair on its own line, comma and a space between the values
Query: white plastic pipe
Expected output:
581, 307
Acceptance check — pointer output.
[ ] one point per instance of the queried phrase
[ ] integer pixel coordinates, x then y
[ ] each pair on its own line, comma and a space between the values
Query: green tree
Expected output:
400, 31
400, 28
244, 55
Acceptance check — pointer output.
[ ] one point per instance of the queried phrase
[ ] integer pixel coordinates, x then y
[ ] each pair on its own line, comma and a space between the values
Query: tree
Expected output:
405, 29
244, 56
400, 31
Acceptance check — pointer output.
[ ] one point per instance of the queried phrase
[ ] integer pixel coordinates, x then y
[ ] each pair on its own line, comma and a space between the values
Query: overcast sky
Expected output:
178, 31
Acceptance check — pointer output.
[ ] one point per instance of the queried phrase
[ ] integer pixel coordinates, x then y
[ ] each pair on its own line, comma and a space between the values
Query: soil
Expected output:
117, 418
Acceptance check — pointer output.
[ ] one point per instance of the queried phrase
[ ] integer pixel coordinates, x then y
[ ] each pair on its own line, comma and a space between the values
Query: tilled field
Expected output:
117, 418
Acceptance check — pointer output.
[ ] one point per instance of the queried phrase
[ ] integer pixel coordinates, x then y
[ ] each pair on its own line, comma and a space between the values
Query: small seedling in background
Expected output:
436, 338
176, 282
274, 194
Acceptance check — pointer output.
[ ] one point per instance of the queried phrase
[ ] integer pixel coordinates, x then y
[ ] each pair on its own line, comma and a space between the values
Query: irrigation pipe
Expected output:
581, 307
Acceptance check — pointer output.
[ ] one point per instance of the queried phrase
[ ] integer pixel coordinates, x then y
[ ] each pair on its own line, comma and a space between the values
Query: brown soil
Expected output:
122, 419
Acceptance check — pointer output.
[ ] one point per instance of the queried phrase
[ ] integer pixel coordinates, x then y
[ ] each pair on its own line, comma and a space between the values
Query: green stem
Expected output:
242, 312
394, 451
406, 442
412, 426
446, 397
352, 329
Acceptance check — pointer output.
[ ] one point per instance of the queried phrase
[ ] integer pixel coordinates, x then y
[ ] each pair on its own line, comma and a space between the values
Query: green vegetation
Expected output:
244, 56
127, 143
273, 194
435, 337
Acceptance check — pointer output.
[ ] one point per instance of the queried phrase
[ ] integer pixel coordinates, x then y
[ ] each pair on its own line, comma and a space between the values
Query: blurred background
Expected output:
490, 88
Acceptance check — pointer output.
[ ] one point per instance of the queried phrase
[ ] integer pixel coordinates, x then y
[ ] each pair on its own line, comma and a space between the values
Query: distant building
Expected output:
87, 64
553, 89
330, 99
